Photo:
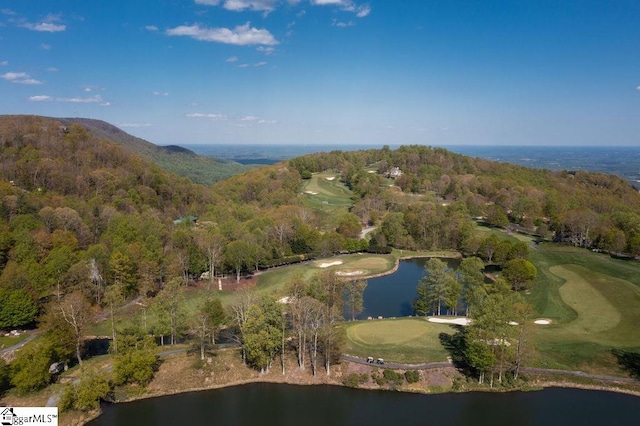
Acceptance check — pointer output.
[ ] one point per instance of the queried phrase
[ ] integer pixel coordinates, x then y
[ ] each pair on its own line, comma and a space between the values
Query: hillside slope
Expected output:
175, 159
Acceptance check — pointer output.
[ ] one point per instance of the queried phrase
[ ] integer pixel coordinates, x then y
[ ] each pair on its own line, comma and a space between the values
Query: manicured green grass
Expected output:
327, 187
6, 342
592, 300
594, 303
403, 340
329, 198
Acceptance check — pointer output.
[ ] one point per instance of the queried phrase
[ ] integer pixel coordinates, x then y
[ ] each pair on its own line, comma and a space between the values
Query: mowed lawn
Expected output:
403, 340
606, 314
329, 197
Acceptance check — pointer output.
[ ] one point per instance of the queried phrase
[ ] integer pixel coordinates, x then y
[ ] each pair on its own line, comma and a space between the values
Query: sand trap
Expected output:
326, 265
542, 322
311, 192
457, 321
330, 178
349, 273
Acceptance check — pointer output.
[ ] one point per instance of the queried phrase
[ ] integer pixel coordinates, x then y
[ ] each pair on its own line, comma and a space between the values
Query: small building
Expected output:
395, 172
185, 219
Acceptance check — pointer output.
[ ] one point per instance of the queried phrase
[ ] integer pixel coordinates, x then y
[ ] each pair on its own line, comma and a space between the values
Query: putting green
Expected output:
595, 313
405, 340
387, 332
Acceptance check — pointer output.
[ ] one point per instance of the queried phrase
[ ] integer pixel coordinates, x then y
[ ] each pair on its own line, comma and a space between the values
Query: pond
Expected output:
393, 295
289, 405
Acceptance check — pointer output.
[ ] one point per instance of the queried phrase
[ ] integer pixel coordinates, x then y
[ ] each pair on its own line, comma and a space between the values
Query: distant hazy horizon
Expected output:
623, 161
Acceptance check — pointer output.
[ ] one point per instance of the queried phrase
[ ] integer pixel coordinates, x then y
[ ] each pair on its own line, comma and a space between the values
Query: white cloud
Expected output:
134, 124
266, 50
243, 65
638, 88
257, 5
51, 24
363, 10
214, 117
232, 59
90, 100
52, 69
242, 35
19, 77
347, 5
4, 63
252, 119
260, 64
45, 46
156, 93
339, 24
266, 6
151, 28
46, 27
76, 100
7, 12
40, 98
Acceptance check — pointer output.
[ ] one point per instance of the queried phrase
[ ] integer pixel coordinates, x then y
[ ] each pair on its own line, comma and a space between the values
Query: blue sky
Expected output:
446, 72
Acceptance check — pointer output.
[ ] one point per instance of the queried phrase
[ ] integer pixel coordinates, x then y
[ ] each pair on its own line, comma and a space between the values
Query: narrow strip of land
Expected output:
531, 370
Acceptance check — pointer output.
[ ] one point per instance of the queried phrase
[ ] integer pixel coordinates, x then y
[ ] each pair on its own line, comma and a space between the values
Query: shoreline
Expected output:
452, 255
536, 384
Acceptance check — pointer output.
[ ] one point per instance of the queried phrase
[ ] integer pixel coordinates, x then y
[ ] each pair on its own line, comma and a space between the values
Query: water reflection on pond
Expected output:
393, 295
287, 405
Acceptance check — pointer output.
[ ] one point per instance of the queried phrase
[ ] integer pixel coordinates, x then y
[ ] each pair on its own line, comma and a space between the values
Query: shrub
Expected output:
30, 369
86, 394
412, 376
392, 376
136, 362
354, 380
380, 250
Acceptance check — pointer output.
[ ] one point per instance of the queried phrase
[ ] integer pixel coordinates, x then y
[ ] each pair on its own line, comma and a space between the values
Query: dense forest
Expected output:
81, 214
87, 224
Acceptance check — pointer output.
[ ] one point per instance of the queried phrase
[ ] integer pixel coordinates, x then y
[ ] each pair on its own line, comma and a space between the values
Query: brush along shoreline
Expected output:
539, 380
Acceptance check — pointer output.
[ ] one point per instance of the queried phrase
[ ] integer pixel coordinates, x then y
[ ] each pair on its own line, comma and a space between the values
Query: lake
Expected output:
289, 405
393, 295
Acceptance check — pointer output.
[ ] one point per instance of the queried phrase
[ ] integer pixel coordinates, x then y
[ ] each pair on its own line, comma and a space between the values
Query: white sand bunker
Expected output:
330, 178
457, 321
349, 273
326, 265
311, 192
542, 321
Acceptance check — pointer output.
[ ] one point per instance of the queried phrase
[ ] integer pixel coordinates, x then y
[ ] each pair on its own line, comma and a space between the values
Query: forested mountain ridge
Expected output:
175, 159
80, 213
87, 225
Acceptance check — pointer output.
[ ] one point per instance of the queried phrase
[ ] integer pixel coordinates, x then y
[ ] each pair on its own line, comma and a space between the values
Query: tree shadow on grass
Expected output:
456, 345
628, 361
